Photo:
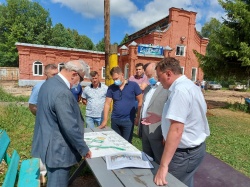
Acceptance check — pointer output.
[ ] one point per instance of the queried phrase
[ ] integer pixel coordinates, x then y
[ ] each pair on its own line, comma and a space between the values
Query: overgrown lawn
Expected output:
229, 140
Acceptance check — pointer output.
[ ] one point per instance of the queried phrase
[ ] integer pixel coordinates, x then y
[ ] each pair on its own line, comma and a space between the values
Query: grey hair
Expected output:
77, 65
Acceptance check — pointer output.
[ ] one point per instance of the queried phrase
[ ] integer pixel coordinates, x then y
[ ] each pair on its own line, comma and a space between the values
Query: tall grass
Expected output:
6, 97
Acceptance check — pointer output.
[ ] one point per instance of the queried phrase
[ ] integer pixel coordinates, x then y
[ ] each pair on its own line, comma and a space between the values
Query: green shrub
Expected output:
6, 97
237, 107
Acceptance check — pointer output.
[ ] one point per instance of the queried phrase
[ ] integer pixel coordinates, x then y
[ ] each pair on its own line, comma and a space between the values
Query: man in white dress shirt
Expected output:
184, 124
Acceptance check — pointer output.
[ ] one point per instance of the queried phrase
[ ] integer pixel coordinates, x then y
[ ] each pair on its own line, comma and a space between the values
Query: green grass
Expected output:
6, 97
229, 140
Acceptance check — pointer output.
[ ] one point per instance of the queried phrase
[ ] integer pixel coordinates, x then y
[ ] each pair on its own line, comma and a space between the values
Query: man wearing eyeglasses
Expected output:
59, 128
123, 93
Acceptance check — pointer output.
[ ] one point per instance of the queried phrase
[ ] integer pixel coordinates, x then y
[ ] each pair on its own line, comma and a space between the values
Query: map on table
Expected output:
106, 143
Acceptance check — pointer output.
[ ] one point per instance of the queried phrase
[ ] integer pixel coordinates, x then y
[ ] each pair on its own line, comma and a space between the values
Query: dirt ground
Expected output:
214, 98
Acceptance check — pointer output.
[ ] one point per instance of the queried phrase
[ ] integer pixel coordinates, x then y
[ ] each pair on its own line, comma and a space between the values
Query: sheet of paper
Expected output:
123, 160
107, 142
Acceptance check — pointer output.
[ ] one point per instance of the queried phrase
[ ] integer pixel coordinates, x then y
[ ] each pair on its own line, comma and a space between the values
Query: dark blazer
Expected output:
59, 134
156, 105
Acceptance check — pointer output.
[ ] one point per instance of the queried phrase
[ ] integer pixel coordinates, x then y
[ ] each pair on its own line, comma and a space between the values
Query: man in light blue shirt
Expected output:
50, 70
93, 96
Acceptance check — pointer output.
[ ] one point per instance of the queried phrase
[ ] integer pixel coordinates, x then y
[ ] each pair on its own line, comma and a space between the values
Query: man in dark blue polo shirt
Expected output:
123, 94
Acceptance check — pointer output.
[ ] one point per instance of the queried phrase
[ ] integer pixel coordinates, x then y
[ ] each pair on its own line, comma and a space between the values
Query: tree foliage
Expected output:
21, 21
100, 46
125, 39
26, 21
228, 51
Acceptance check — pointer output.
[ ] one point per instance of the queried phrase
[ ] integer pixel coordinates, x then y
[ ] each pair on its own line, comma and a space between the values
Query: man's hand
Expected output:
151, 119
103, 125
160, 177
88, 155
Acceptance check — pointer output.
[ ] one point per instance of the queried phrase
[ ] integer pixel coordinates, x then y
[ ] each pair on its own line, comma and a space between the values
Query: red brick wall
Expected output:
28, 54
182, 24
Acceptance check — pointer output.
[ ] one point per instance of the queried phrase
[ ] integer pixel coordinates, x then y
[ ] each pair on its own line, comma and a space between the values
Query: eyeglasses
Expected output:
81, 78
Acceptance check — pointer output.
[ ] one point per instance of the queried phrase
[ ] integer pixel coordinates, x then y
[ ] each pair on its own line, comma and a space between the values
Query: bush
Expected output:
6, 97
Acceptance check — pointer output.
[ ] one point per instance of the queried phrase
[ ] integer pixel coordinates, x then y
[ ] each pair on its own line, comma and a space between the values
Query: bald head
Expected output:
149, 69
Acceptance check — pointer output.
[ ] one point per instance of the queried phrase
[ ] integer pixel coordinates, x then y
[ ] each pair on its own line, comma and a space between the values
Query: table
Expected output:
130, 177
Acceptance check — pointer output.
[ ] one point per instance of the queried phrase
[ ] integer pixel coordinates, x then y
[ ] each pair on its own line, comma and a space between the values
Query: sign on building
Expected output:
148, 49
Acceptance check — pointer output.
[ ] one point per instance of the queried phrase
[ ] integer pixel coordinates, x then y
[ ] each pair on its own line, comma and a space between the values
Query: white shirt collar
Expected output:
176, 82
65, 80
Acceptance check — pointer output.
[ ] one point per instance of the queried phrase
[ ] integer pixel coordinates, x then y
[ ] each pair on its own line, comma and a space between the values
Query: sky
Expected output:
126, 16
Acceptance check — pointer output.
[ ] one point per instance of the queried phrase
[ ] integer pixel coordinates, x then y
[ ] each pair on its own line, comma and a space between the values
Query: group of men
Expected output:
169, 109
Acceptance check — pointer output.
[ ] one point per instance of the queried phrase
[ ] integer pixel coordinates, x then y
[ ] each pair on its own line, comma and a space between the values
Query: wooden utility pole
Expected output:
107, 37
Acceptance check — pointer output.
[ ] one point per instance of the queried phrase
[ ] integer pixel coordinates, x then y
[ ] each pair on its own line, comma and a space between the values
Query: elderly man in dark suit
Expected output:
153, 101
59, 135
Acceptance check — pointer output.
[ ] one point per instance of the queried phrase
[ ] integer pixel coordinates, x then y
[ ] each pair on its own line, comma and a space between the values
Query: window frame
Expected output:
60, 65
103, 72
126, 71
37, 64
184, 50
183, 70
195, 76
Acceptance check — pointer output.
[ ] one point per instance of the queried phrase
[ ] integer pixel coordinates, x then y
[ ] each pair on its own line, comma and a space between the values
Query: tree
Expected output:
82, 41
125, 39
228, 51
100, 46
62, 37
21, 21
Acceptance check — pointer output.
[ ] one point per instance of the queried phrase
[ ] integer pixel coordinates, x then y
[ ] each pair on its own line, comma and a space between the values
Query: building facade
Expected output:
172, 36
33, 59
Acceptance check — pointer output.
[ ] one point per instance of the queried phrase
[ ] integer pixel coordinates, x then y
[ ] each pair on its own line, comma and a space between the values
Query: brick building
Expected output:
174, 35
33, 58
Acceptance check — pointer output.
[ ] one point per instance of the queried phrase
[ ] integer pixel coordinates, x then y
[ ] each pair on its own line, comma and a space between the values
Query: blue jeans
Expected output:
123, 127
92, 121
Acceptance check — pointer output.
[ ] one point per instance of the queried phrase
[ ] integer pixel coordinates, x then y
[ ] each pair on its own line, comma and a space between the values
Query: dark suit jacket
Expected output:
156, 105
59, 134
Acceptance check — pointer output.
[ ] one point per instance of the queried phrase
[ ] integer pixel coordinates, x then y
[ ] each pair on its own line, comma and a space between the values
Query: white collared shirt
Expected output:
186, 104
65, 80
148, 97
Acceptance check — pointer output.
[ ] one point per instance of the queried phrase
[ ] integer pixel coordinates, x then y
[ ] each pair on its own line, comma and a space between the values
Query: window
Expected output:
182, 70
87, 73
126, 70
180, 50
37, 69
103, 72
60, 66
194, 70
